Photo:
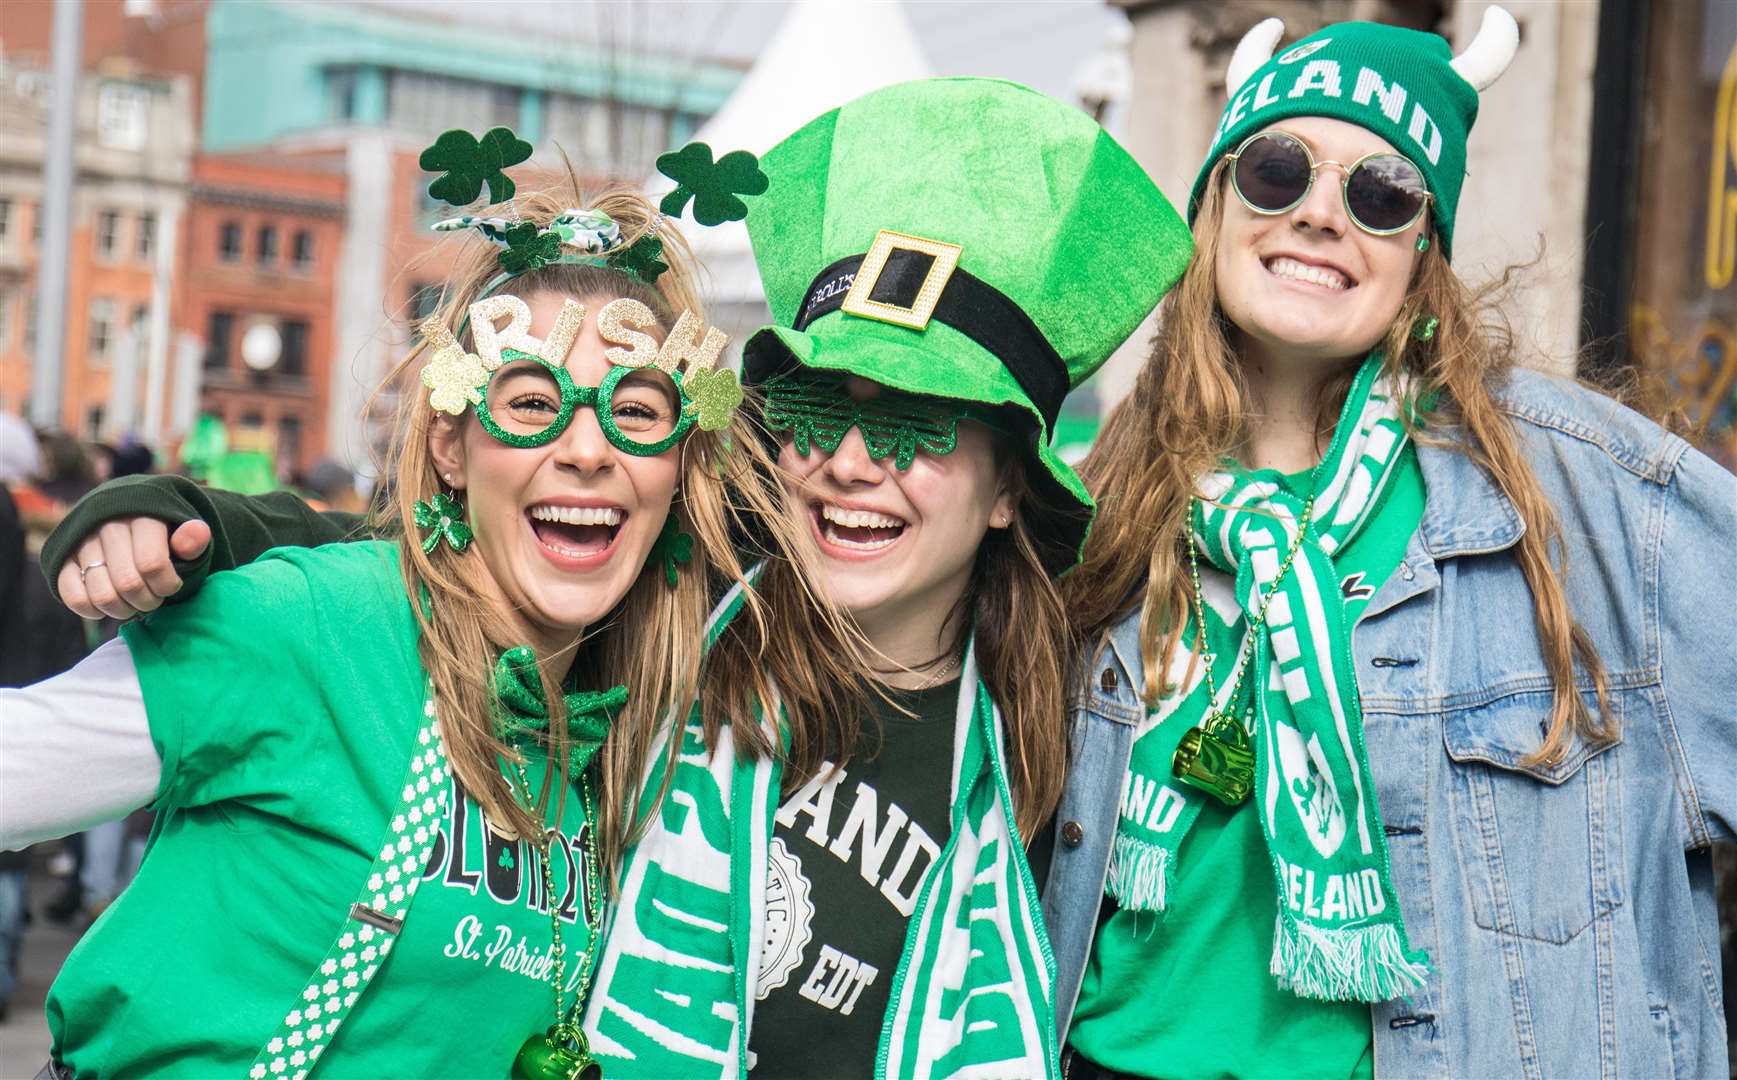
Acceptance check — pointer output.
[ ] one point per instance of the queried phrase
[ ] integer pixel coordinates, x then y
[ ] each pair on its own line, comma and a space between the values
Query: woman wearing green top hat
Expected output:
1408, 722
390, 776
945, 260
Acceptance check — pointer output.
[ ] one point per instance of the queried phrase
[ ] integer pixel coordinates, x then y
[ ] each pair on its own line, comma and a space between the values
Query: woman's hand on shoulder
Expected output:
126, 567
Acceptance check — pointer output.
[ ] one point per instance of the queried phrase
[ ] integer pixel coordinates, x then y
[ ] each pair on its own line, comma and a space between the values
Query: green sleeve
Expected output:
224, 676
243, 527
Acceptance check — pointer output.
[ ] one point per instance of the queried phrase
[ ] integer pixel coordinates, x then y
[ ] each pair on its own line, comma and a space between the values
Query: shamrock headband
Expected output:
468, 164
525, 397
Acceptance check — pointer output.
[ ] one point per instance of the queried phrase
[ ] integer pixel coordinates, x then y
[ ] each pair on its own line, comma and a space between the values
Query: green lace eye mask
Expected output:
817, 410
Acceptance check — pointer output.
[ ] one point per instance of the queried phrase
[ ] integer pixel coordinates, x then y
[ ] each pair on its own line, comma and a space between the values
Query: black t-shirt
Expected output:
850, 850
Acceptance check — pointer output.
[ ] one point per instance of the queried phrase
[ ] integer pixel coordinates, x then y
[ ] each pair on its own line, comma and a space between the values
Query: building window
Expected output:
147, 240
102, 330
5, 218
252, 420
302, 250
93, 422
5, 320
123, 115
229, 241
418, 101
292, 362
141, 328
36, 224
267, 245
29, 321
341, 93
219, 333
108, 233
289, 441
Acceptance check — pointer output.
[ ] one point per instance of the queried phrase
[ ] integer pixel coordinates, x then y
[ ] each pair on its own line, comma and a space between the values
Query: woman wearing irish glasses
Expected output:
392, 776
1408, 721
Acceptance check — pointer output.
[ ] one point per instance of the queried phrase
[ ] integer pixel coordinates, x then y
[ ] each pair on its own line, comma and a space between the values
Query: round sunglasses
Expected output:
1272, 173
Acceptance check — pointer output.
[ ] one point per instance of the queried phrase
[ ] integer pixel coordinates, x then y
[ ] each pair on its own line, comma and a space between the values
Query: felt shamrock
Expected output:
445, 516
714, 396
529, 248
674, 547
469, 163
454, 378
643, 258
713, 186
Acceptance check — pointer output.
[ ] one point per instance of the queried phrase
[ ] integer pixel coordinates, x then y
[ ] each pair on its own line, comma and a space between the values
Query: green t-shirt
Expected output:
1188, 994
284, 702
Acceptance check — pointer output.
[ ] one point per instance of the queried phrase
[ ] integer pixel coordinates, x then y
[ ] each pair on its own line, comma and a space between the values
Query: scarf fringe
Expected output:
1344, 963
1140, 872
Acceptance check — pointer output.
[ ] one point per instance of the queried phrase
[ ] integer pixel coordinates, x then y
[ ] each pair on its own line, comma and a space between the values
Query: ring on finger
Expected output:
83, 570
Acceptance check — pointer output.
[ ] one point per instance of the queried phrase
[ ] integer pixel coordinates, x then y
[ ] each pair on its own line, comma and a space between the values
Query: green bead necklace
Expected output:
1217, 757
562, 1052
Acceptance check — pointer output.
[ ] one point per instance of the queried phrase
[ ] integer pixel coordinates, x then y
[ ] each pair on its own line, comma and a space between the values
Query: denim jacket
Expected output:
1567, 910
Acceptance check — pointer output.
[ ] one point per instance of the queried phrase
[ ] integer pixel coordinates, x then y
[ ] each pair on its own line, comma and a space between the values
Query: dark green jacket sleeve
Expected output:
243, 527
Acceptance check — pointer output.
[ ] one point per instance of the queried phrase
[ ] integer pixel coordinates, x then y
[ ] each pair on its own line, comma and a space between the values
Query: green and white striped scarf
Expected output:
676, 983
1339, 935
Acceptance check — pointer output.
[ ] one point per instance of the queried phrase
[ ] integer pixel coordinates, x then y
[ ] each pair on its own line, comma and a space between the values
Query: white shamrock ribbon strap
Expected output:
590, 231
374, 920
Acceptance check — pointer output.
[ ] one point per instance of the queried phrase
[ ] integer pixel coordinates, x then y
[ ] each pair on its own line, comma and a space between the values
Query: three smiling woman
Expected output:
1394, 730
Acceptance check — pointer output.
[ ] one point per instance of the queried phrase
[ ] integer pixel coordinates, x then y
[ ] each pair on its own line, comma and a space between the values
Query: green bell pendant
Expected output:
561, 1053
1217, 759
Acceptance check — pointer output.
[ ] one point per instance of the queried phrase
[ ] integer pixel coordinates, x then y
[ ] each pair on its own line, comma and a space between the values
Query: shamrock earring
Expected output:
445, 516
673, 548
1423, 241
1423, 328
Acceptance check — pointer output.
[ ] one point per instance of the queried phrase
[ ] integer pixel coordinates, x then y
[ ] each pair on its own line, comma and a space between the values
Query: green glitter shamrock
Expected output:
469, 163
643, 259
714, 396
455, 378
529, 248
445, 516
674, 547
712, 186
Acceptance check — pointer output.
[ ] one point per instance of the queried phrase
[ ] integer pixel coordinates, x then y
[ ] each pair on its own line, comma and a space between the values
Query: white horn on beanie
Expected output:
1255, 49
1488, 55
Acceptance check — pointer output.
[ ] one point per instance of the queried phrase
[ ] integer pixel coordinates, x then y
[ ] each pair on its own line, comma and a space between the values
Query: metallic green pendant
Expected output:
1217, 759
561, 1053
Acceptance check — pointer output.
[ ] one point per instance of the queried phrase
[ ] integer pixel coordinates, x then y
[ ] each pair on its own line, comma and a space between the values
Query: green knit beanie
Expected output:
1404, 85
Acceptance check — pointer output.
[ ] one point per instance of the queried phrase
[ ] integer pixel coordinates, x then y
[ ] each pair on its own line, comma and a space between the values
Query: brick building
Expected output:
260, 256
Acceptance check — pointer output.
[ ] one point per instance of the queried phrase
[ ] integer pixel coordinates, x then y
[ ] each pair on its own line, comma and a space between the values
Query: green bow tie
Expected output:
520, 693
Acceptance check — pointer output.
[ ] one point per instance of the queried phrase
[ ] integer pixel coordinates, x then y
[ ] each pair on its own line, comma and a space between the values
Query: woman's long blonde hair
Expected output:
1187, 412
728, 495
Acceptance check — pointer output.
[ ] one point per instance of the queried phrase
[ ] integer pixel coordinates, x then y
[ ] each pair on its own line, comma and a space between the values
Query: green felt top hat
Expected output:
1406, 86
967, 238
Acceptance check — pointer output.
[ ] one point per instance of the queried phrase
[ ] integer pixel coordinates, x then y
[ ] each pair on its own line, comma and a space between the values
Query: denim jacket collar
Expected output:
1465, 513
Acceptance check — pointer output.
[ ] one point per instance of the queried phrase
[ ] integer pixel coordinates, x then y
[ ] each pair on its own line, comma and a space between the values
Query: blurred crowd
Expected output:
42, 474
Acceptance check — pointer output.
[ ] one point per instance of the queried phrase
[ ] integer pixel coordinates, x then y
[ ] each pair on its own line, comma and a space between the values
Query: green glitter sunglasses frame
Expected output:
572, 396
816, 410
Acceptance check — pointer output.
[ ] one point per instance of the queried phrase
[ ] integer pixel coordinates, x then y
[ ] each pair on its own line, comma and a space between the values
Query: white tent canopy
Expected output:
825, 53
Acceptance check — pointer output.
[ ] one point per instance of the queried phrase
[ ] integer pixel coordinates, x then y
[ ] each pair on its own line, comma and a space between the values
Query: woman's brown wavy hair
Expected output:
1187, 412
1021, 639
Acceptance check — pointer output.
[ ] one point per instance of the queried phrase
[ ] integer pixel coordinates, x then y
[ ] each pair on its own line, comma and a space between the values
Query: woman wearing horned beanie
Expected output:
1407, 724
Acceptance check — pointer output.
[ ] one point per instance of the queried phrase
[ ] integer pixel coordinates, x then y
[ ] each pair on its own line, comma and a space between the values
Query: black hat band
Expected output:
969, 305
